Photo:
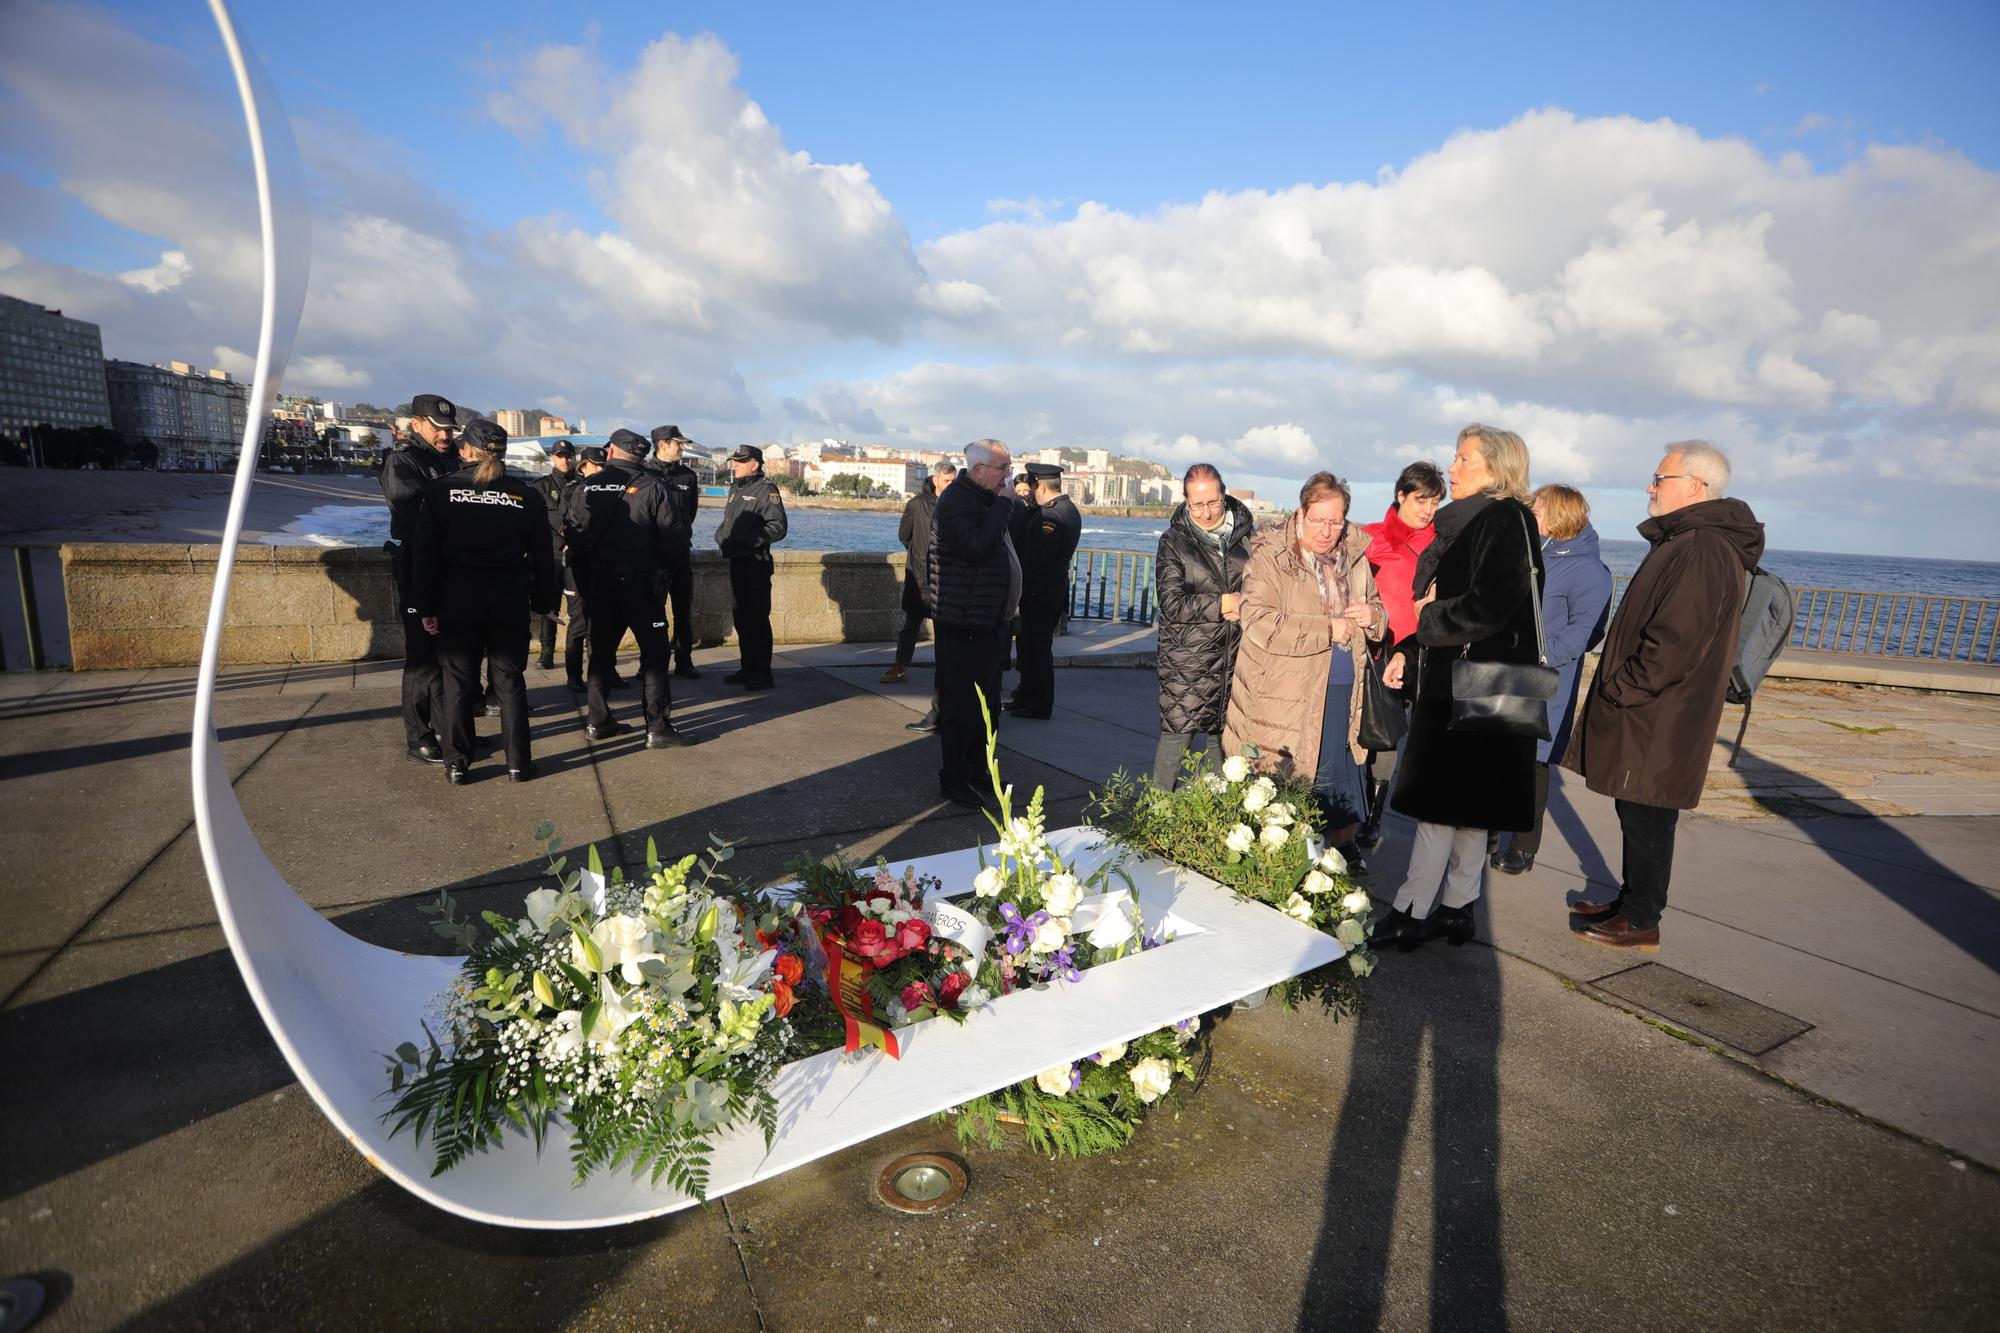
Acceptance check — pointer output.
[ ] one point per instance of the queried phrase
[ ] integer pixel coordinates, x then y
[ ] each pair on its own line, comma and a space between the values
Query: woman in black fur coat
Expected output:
1473, 587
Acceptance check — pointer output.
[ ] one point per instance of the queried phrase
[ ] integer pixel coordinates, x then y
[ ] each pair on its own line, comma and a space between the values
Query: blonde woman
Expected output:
1309, 608
1473, 588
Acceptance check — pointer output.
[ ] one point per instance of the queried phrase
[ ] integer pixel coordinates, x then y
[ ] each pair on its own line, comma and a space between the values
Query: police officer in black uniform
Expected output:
483, 566
684, 490
1054, 527
752, 521
554, 490
427, 454
622, 534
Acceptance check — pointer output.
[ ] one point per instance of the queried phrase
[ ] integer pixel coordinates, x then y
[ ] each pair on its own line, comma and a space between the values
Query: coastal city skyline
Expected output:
1773, 242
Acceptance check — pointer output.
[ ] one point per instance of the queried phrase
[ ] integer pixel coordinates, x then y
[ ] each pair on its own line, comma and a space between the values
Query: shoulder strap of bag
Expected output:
1535, 596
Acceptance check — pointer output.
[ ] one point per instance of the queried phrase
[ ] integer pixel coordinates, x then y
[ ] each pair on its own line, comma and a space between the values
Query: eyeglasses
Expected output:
1325, 524
1659, 477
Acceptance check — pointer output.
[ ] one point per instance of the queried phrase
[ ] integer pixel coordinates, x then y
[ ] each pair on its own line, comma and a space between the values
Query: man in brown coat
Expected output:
1649, 721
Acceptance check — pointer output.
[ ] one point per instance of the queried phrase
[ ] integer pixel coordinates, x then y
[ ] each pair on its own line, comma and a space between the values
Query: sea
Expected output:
874, 530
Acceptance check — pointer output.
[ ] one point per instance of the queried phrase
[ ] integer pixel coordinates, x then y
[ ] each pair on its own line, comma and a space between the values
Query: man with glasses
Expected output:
1649, 720
427, 454
975, 585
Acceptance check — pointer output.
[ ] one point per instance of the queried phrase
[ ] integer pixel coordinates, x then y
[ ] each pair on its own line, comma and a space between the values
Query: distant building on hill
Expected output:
194, 417
51, 369
513, 421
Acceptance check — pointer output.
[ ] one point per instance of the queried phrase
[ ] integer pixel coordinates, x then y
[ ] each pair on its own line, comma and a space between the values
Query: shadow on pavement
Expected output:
1446, 1000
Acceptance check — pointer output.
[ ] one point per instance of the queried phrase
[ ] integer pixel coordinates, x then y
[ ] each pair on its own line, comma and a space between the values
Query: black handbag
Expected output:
1385, 718
1511, 698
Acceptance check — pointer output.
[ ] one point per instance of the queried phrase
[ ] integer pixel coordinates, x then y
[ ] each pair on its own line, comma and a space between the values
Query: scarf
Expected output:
1451, 520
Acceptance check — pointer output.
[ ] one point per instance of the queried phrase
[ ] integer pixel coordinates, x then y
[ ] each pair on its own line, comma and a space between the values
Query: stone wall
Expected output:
146, 606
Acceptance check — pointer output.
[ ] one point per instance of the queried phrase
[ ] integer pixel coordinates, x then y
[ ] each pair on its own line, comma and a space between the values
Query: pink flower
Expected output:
913, 934
917, 995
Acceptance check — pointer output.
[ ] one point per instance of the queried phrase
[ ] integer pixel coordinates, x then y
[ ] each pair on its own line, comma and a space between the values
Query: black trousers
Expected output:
576, 636
483, 618
616, 605
545, 630
750, 608
423, 683
1649, 861
1530, 843
1035, 659
680, 591
906, 638
968, 661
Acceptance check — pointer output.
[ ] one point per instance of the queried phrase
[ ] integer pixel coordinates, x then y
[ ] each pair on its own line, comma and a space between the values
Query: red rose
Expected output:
870, 942
782, 997
846, 919
951, 988
916, 995
913, 934
789, 969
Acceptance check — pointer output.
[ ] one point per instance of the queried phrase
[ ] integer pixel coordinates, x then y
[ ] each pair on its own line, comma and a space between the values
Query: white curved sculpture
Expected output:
333, 1003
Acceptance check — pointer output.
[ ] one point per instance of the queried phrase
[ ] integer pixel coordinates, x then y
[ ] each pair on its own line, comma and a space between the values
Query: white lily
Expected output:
1106, 918
612, 1015
542, 906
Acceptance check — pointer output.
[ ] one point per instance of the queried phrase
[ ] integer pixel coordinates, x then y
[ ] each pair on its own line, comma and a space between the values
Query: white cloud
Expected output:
325, 374
169, 273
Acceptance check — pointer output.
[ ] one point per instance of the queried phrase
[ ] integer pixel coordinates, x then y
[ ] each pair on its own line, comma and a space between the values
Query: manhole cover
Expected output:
1692, 1003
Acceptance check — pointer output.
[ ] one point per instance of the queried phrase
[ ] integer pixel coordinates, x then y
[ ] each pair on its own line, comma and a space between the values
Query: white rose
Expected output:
1061, 894
1236, 768
1257, 797
1355, 903
1279, 813
974, 997
896, 916
1151, 1078
1298, 909
1333, 863
1214, 783
1350, 933
1360, 964
988, 883
1315, 882
1051, 934
1054, 1082
623, 942
1110, 1053
1274, 836
1240, 839
541, 908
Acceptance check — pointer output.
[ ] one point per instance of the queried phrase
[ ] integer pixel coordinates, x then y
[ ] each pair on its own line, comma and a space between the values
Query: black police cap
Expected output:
594, 454
748, 453
563, 449
629, 441
439, 409
663, 433
484, 435
1045, 471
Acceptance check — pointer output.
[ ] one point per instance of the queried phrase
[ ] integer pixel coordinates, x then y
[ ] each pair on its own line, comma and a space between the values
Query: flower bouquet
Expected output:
1256, 834
637, 1013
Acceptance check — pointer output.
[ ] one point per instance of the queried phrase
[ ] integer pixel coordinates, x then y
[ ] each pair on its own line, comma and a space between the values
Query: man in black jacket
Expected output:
554, 490
1053, 530
684, 491
426, 455
915, 535
622, 535
975, 586
752, 521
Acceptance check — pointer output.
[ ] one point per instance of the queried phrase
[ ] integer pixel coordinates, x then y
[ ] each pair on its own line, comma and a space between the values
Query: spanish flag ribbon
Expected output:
847, 983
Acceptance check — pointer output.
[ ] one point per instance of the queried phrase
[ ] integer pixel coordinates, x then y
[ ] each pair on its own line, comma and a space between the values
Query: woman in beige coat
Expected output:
1309, 609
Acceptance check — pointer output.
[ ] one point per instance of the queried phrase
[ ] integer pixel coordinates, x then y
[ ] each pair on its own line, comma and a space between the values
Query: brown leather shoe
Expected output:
893, 675
1618, 933
1592, 910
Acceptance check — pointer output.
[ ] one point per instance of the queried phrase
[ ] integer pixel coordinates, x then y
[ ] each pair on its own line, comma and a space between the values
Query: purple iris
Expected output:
1020, 930
1187, 1025
1062, 965
1149, 942
1075, 1078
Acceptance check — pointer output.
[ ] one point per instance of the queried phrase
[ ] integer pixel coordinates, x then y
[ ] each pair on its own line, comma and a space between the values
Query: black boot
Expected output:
1370, 836
1454, 924
1398, 930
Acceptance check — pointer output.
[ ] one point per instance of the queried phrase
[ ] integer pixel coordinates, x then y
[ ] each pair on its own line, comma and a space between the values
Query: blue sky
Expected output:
1357, 277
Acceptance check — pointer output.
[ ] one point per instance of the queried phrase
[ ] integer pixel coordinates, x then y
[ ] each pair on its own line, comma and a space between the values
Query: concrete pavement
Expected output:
1487, 1146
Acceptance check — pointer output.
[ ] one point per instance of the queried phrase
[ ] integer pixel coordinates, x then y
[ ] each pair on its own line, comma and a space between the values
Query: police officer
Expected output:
425, 455
1053, 529
684, 491
622, 535
752, 521
554, 489
483, 566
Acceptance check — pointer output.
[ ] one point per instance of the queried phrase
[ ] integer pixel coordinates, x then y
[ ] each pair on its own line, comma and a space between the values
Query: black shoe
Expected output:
1398, 930
578, 687
686, 671
1351, 853
426, 752
612, 728
1512, 862
455, 774
1370, 836
548, 662
763, 682
736, 677
928, 722
621, 682
1033, 714
666, 738
527, 774
1452, 924
972, 798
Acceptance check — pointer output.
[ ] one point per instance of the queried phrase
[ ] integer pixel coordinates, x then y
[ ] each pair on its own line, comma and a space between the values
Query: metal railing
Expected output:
1891, 624
1111, 585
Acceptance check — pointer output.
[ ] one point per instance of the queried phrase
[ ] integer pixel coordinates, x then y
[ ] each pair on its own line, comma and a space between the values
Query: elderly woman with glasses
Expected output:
1474, 586
1309, 609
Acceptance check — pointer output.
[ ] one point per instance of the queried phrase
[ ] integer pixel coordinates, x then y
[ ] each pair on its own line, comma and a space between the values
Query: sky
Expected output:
1277, 238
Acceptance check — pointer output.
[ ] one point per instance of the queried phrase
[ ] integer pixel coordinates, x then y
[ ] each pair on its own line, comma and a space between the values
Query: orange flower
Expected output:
790, 969
782, 994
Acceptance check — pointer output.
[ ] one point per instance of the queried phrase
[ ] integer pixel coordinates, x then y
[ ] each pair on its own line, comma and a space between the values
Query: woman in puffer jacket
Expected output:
1199, 573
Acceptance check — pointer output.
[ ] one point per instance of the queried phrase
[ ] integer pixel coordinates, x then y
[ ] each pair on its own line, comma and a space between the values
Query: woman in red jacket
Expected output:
1393, 547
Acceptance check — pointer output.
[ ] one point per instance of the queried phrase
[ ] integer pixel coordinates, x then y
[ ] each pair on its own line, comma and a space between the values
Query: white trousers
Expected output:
1443, 858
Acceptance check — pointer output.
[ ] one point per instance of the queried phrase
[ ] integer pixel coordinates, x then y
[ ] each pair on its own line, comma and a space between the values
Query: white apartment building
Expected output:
512, 420
194, 417
898, 476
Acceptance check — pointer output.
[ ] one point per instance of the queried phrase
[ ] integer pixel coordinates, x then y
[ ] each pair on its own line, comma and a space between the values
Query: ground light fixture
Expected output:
921, 1182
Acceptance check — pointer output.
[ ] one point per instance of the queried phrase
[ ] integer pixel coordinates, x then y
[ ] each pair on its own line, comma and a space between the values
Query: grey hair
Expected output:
944, 467
1702, 459
980, 453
